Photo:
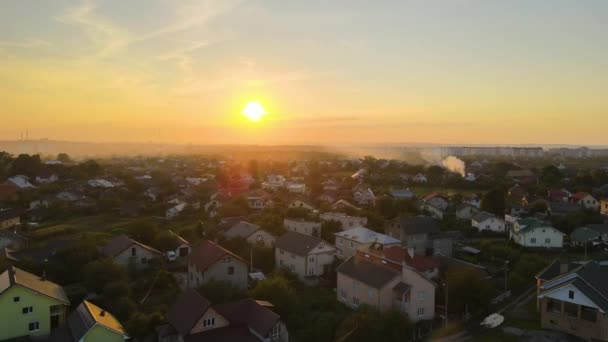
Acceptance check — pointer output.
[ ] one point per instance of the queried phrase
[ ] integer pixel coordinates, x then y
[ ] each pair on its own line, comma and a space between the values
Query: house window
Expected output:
588, 314
280, 262
231, 270
343, 294
260, 238
34, 326
372, 293
281, 252
571, 309
311, 271
533, 240
144, 260
547, 241
553, 306
292, 267
133, 251
16, 299
226, 259
311, 259
352, 244
421, 295
293, 256
355, 301
275, 334
209, 322
27, 310
420, 312
571, 294
340, 242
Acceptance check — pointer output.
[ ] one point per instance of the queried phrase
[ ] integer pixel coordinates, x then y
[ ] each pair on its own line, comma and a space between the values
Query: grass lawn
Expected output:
422, 190
89, 224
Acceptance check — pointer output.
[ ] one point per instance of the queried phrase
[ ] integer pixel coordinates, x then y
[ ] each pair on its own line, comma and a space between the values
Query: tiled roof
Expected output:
398, 254
297, 243
14, 276
418, 224
208, 253
241, 229
187, 310
482, 216
372, 274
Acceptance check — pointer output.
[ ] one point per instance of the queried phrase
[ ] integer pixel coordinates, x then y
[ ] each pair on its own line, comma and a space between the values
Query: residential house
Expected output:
521, 176
347, 221
330, 185
128, 252
473, 200
181, 247
531, 232
349, 241
601, 229
192, 318
252, 233
100, 183
397, 256
604, 206
210, 262
274, 182
259, 201
303, 226
365, 197
584, 236
46, 177
433, 211
365, 280
30, 306
296, 188
20, 181
516, 194
485, 221
420, 178
562, 195
465, 211
90, 323
405, 194
9, 218
415, 232
562, 208
343, 204
176, 210
574, 299
586, 201
11, 239
437, 200
299, 203
307, 256
359, 175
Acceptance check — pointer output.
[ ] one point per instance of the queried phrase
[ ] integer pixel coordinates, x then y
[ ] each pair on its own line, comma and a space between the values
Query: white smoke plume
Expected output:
454, 164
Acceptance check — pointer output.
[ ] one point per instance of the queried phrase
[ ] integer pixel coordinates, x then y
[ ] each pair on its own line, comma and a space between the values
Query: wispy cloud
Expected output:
27, 44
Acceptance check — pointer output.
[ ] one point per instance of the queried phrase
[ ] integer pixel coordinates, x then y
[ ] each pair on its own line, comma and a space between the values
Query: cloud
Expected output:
27, 44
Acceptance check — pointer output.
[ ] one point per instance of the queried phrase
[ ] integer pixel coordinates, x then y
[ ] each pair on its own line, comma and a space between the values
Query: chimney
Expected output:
43, 275
102, 313
563, 268
410, 252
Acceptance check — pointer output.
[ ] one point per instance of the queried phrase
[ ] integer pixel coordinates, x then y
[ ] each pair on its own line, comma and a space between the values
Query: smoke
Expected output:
454, 164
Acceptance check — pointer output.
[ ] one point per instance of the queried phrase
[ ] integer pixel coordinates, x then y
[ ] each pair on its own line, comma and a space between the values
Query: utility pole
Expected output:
446, 303
506, 268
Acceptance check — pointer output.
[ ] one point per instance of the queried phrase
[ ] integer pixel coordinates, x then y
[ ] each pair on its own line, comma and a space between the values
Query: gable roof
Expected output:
208, 253
250, 313
580, 196
120, 243
15, 276
434, 194
87, 315
8, 214
187, 310
241, 229
482, 216
398, 255
372, 274
297, 243
365, 235
418, 224
584, 234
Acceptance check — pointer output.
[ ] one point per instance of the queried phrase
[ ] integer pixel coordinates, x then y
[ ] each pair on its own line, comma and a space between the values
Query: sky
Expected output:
326, 72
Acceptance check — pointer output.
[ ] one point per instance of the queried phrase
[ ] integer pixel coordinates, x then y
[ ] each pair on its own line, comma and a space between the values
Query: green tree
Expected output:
99, 272
218, 292
467, 287
550, 175
64, 158
27, 165
494, 202
277, 290
142, 230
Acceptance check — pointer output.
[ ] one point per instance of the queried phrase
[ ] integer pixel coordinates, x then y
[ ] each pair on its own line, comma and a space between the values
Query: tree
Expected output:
329, 228
550, 175
435, 174
277, 290
64, 158
218, 292
494, 202
99, 272
467, 287
27, 165
369, 324
165, 241
142, 230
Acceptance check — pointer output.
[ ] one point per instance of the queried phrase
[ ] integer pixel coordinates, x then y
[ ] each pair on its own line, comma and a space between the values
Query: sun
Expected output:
254, 111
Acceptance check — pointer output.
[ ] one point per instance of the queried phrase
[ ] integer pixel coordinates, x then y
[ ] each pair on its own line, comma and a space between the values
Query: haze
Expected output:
327, 72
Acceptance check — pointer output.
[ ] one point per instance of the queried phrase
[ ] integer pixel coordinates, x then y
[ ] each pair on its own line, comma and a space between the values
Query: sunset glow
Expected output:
254, 111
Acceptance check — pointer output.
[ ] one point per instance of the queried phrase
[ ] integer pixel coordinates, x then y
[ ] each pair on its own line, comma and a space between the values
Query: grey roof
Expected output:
418, 224
592, 280
120, 243
297, 243
555, 269
187, 310
482, 216
601, 228
8, 214
374, 275
241, 229
80, 322
250, 313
